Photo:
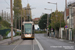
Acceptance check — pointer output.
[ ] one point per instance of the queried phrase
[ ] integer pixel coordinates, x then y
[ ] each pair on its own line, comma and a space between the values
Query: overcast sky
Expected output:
39, 6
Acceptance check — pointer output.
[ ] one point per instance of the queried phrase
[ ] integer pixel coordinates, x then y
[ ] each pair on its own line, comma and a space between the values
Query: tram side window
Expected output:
22, 29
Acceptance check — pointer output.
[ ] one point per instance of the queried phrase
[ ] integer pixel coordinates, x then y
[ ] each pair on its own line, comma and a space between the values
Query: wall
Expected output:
61, 32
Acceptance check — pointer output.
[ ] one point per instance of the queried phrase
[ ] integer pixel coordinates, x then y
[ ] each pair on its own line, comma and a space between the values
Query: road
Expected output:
53, 43
47, 43
27, 44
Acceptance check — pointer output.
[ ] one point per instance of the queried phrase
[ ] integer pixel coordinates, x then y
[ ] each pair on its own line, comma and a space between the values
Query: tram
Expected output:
27, 30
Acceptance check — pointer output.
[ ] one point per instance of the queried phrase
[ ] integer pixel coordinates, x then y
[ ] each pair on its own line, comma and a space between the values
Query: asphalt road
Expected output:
47, 43
28, 44
53, 43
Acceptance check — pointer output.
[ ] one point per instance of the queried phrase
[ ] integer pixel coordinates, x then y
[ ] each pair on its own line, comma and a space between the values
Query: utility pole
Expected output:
65, 10
60, 26
21, 21
65, 3
65, 14
15, 22
48, 19
7, 15
24, 14
2, 13
11, 20
56, 11
47, 22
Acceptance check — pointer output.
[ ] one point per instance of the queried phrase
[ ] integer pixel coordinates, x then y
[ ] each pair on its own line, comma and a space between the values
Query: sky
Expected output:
39, 6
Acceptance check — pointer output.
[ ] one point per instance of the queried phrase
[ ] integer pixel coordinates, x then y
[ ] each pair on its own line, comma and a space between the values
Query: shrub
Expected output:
7, 33
73, 33
40, 31
18, 33
0, 18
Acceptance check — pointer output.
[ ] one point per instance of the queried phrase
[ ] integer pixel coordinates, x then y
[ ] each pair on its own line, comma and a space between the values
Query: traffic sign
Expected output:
66, 26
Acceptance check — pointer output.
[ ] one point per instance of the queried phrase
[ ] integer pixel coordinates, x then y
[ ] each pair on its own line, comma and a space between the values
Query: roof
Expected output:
72, 4
28, 22
36, 19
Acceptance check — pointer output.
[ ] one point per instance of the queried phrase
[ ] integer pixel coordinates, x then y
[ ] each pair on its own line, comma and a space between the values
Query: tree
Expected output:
56, 21
17, 10
17, 7
0, 18
43, 22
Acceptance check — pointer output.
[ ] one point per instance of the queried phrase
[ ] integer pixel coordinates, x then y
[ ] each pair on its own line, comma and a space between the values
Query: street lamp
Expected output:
48, 19
56, 7
53, 3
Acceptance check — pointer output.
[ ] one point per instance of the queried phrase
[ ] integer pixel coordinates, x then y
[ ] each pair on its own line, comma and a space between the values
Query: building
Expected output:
36, 20
71, 19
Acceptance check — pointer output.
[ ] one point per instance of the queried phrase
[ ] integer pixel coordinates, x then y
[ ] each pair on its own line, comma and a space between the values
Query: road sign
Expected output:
66, 26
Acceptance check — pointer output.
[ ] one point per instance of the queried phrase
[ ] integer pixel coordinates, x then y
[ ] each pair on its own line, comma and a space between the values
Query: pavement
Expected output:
5, 41
67, 41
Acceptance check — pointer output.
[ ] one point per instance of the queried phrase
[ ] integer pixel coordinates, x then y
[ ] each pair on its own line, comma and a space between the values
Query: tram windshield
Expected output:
28, 28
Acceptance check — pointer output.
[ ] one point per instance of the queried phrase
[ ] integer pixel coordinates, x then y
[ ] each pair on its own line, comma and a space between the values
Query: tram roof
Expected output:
28, 22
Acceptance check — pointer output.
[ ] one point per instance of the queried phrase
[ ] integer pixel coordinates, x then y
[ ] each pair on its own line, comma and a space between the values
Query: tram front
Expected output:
27, 30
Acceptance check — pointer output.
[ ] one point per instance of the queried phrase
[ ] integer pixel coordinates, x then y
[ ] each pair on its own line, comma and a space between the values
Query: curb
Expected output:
12, 41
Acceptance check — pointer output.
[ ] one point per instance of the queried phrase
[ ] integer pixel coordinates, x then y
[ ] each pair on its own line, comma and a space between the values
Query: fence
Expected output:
3, 32
73, 35
66, 34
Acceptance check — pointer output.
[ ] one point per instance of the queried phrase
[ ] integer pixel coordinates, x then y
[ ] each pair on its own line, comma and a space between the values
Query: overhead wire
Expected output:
6, 2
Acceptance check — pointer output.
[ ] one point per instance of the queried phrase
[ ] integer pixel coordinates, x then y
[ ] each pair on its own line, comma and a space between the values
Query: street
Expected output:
54, 44
46, 42
37, 25
28, 44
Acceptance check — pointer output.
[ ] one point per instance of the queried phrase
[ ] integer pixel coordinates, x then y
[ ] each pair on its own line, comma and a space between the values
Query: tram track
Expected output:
17, 45
23, 41
32, 44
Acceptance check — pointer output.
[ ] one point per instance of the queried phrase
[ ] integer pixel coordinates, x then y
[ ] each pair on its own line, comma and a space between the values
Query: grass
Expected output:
40, 31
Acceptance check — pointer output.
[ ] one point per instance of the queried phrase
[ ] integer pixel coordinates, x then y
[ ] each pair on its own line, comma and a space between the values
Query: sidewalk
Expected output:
8, 40
64, 40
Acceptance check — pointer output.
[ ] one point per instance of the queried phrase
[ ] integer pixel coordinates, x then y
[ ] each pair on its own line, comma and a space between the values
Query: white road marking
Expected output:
15, 47
71, 42
40, 46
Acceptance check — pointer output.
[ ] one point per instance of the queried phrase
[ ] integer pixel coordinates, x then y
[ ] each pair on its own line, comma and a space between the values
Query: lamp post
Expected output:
56, 7
53, 3
65, 10
48, 19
